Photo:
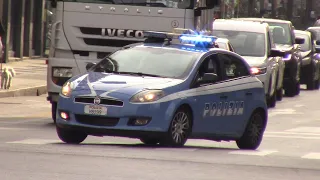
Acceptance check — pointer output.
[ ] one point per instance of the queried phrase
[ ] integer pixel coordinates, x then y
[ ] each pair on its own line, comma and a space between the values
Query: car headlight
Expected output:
256, 71
147, 96
67, 89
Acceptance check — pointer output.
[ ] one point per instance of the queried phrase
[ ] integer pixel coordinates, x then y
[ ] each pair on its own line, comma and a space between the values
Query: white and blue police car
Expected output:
171, 88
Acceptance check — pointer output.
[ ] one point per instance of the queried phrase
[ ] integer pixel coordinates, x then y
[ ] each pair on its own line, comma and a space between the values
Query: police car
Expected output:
169, 89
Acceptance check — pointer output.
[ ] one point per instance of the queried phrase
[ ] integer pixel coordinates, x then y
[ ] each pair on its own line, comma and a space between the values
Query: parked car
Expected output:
224, 43
315, 35
255, 45
310, 66
285, 40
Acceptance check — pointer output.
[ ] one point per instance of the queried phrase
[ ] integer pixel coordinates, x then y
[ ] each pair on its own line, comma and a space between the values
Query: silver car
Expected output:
255, 44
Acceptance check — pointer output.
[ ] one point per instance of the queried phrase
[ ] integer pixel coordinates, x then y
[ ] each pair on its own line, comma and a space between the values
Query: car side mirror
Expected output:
208, 78
277, 53
90, 65
299, 40
318, 42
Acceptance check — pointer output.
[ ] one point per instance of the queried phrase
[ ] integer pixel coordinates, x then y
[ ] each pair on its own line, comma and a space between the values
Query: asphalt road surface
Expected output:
31, 150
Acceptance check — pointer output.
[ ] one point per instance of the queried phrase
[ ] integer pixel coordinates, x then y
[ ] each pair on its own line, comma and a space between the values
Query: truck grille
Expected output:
104, 101
96, 120
108, 42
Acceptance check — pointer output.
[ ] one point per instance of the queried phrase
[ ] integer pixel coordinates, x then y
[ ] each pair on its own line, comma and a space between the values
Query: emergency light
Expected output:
194, 39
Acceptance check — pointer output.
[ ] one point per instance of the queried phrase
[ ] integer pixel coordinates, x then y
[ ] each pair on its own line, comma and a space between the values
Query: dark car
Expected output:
310, 65
315, 35
285, 40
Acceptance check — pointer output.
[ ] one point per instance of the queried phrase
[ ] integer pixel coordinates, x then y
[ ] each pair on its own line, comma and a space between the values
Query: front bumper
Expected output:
119, 119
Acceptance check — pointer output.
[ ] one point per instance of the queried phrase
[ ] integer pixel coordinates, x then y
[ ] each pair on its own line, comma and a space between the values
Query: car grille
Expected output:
104, 101
96, 120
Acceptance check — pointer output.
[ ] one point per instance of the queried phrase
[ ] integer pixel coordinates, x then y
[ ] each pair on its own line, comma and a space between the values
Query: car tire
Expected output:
317, 84
70, 136
293, 89
149, 141
272, 101
297, 88
311, 82
54, 111
252, 136
179, 129
279, 94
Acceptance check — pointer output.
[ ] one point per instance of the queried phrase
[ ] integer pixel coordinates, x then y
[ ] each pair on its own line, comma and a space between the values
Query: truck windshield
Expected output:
186, 4
244, 43
156, 61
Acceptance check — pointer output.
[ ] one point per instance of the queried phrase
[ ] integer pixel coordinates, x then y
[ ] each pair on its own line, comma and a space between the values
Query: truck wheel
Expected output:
54, 111
252, 136
179, 129
149, 141
70, 136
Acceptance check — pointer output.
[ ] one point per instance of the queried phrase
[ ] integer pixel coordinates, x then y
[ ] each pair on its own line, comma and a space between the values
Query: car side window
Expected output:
233, 66
210, 65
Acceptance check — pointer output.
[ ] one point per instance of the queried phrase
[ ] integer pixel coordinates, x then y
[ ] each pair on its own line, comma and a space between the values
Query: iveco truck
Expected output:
86, 31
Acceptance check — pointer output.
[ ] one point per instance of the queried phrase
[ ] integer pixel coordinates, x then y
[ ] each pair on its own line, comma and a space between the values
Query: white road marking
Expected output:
253, 153
7, 128
292, 133
275, 112
35, 141
311, 156
292, 137
305, 129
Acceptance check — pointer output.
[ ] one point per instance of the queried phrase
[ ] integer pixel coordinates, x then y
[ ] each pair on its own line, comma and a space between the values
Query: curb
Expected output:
29, 91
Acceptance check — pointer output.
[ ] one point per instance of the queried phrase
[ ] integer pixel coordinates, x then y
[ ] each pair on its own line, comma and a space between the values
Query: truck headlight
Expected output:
62, 72
147, 96
67, 89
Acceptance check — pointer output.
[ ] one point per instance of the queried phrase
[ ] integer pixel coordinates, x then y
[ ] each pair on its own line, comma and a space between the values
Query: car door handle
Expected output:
249, 93
223, 97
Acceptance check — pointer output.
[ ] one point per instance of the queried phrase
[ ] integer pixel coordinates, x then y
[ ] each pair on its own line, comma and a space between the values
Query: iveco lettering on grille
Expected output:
122, 33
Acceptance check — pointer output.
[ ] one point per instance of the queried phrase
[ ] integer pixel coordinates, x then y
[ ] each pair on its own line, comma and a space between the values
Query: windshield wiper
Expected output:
133, 73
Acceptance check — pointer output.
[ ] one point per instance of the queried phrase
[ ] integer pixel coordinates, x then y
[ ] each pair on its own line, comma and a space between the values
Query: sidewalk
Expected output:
30, 79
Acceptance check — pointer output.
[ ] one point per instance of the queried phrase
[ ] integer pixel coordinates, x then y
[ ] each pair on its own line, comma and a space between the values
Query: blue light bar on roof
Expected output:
198, 40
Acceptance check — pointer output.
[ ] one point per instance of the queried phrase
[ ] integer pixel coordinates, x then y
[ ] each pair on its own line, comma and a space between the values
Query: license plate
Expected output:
95, 110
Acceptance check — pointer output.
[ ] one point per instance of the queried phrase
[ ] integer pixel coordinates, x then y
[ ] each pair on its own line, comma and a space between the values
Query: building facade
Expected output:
25, 25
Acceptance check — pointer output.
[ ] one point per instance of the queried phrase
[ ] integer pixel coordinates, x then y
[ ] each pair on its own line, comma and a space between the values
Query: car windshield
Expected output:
306, 46
244, 43
281, 33
186, 4
152, 61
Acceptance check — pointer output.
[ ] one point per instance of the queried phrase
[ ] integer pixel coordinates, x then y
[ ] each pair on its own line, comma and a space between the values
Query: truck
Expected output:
86, 31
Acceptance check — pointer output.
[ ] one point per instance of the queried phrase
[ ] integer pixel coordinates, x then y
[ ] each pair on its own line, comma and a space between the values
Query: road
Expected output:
30, 149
